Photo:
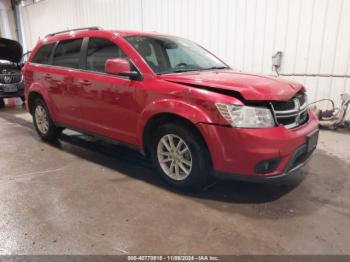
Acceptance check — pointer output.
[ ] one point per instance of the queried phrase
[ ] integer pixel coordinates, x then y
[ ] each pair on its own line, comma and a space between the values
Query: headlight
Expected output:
246, 116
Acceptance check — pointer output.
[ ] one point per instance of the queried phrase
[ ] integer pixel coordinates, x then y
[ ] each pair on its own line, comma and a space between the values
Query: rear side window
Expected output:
67, 53
100, 50
43, 54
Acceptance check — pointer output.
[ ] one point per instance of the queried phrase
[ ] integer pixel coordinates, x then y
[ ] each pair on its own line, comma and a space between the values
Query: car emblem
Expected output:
298, 118
297, 107
7, 79
297, 104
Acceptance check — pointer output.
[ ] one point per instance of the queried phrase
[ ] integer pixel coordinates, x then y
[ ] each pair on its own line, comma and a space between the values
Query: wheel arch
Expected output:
169, 110
163, 118
31, 99
36, 90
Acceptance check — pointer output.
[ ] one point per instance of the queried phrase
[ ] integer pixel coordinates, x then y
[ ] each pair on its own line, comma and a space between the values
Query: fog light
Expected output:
267, 166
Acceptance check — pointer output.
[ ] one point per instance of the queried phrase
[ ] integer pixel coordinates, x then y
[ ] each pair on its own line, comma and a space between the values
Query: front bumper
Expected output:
292, 169
236, 152
18, 87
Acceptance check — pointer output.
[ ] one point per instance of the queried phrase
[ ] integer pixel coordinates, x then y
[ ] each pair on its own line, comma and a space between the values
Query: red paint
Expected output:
117, 66
247, 147
11, 102
119, 108
250, 86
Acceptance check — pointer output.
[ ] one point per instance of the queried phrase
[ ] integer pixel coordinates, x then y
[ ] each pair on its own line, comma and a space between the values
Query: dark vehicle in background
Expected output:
11, 80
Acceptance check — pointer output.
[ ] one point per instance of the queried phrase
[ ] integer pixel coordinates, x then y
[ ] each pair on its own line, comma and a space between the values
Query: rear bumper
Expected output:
14, 94
236, 152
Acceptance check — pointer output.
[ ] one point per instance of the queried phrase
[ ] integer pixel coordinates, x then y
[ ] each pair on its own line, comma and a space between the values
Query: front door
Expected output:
109, 108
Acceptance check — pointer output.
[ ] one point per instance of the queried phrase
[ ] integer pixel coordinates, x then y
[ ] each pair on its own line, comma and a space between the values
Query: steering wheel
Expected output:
181, 64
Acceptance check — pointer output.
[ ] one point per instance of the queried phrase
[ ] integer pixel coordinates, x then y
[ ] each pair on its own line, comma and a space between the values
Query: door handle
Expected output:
84, 82
48, 77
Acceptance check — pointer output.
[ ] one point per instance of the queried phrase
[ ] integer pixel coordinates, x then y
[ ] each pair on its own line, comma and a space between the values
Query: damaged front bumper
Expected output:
260, 154
299, 159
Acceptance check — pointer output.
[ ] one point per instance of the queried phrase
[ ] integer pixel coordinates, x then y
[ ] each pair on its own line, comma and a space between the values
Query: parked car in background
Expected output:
11, 80
172, 100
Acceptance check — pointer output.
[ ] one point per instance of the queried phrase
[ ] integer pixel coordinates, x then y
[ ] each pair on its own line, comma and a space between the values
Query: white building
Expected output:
313, 35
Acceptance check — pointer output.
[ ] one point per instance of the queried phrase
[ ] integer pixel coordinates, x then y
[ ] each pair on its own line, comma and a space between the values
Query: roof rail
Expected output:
75, 29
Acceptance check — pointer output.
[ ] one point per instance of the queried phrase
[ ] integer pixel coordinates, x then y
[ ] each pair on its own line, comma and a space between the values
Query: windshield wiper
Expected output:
179, 70
184, 70
216, 67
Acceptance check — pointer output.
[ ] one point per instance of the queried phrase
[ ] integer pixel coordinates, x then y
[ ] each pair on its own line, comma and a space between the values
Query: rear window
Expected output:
43, 54
67, 53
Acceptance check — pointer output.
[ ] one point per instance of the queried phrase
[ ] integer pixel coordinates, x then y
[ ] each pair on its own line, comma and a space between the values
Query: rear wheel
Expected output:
181, 156
43, 122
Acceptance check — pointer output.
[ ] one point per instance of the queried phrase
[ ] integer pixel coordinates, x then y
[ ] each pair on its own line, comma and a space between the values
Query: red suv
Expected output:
172, 100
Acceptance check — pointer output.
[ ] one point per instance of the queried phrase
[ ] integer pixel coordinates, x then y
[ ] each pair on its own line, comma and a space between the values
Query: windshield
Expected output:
173, 55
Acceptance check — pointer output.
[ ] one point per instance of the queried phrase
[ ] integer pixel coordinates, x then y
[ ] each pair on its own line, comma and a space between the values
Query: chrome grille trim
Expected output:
293, 117
280, 114
13, 78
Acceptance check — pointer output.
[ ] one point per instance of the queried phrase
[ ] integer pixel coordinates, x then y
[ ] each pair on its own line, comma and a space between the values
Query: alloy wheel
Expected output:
41, 119
174, 157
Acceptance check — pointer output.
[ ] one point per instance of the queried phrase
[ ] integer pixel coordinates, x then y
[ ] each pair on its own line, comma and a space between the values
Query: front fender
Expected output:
182, 109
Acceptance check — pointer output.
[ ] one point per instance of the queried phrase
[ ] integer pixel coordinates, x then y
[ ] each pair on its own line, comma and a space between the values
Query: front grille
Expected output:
10, 78
292, 113
282, 106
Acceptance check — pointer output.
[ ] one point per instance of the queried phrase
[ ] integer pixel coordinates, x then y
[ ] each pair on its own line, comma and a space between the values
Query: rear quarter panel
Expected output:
35, 82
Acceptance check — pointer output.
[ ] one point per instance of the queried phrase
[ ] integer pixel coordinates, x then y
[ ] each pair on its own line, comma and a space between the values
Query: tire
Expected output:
178, 172
43, 123
2, 103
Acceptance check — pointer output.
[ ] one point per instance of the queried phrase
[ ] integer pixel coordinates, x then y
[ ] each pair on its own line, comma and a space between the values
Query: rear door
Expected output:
65, 95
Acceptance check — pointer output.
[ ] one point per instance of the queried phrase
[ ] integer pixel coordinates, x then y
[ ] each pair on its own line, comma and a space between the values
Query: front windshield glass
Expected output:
173, 55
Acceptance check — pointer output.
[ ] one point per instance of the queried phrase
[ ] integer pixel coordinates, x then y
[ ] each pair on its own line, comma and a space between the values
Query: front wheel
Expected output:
43, 122
181, 156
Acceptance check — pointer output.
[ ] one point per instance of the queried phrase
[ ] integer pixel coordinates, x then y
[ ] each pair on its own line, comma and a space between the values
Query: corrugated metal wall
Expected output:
7, 20
313, 35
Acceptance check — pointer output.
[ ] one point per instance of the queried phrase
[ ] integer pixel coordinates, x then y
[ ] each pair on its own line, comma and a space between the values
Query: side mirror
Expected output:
121, 67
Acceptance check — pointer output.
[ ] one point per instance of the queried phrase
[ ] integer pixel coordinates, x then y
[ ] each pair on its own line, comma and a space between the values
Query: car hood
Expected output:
10, 50
250, 86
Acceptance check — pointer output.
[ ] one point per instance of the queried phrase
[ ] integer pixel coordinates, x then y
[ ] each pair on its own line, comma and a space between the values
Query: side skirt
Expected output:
104, 138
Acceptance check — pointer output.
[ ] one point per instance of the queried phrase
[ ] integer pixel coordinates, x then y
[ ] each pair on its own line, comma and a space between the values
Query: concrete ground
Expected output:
79, 196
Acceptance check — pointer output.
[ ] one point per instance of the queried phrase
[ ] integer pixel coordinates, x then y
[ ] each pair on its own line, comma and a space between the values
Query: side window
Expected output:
67, 53
151, 51
100, 50
43, 54
147, 49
